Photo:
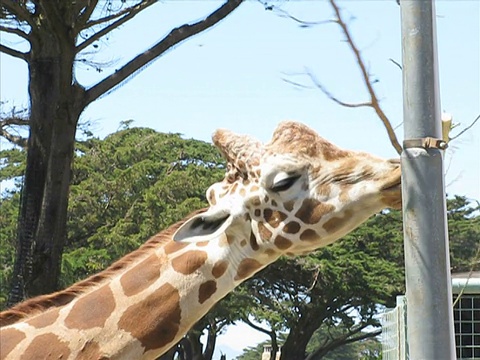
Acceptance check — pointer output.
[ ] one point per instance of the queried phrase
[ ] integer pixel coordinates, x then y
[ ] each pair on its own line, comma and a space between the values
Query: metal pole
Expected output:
430, 333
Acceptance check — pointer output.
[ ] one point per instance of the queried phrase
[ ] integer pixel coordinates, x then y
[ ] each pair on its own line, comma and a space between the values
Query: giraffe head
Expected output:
293, 195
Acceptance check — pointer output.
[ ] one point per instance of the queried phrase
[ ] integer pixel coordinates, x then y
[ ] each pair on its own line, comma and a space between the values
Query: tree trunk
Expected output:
54, 113
295, 346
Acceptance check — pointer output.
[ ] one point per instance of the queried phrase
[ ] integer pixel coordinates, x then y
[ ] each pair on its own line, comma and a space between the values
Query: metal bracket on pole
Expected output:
426, 143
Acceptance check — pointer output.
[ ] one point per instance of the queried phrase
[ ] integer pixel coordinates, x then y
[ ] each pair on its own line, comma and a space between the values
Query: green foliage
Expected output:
464, 234
369, 349
349, 281
131, 185
124, 189
137, 182
12, 166
8, 226
253, 352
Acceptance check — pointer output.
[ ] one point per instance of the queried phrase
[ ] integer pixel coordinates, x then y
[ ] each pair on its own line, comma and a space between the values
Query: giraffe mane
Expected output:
41, 303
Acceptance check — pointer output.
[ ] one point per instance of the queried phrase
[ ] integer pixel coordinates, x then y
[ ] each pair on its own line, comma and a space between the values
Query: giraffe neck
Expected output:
141, 311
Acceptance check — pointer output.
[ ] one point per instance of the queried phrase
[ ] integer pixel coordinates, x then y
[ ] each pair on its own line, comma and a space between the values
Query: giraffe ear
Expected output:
203, 227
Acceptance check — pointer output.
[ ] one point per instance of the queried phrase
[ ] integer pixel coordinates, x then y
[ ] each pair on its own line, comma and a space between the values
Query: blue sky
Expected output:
232, 76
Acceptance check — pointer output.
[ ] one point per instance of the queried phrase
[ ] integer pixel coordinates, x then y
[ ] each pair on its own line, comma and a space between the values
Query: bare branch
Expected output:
257, 327
22, 13
127, 14
13, 121
15, 53
374, 103
467, 128
331, 96
396, 63
175, 37
89, 8
17, 32
344, 339
297, 84
117, 15
302, 23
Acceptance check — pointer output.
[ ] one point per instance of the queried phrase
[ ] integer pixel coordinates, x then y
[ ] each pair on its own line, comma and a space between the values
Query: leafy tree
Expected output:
124, 189
253, 352
345, 285
56, 35
464, 234
368, 349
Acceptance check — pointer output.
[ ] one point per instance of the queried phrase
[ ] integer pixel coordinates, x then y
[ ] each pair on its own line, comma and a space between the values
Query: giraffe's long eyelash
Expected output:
284, 184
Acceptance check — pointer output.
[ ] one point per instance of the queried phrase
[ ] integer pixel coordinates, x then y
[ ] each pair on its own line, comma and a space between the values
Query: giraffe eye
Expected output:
285, 183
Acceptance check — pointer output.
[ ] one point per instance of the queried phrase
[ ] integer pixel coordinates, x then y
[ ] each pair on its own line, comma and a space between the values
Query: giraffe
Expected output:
289, 197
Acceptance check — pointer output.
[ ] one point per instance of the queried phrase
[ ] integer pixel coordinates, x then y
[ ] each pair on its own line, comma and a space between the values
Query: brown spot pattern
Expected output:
313, 210
46, 346
141, 276
282, 242
265, 234
206, 290
344, 196
9, 339
189, 261
309, 235
323, 190
292, 227
289, 205
91, 351
242, 192
91, 310
174, 246
246, 268
233, 188
155, 320
253, 242
334, 224
219, 268
274, 218
211, 198
44, 319
243, 243
255, 201
202, 243
257, 212
270, 252
230, 239
290, 137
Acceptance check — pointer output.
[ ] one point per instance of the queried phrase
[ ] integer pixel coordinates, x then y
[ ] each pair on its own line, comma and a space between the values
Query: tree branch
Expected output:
17, 32
15, 8
115, 16
302, 23
374, 103
14, 139
467, 128
175, 37
14, 53
89, 8
331, 96
130, 13
258, 328
343, 340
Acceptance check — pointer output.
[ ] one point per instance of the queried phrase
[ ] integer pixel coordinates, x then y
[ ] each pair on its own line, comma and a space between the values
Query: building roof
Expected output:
466, 275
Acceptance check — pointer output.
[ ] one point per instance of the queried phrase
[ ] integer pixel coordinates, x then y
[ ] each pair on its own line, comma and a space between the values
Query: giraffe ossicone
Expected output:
290, 196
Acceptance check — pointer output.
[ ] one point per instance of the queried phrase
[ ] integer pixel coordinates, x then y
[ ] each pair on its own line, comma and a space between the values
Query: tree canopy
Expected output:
52, 37
136, 182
